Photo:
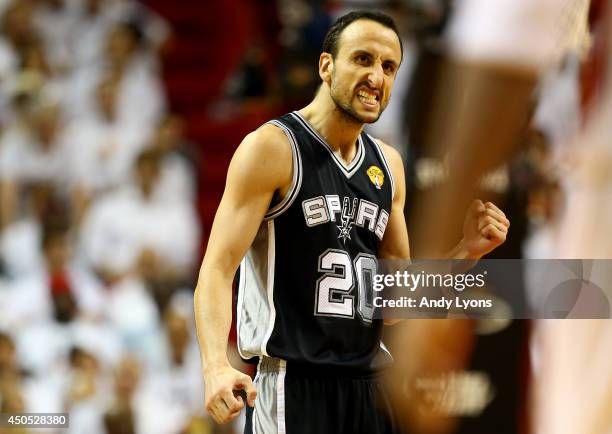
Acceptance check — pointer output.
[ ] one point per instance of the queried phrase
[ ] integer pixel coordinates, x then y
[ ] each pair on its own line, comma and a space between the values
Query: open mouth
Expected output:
368, 98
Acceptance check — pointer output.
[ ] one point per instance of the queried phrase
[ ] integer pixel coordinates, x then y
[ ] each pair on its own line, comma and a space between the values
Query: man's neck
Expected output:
337, 128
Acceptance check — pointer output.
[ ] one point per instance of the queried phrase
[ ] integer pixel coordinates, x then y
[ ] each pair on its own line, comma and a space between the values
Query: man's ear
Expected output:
326, 67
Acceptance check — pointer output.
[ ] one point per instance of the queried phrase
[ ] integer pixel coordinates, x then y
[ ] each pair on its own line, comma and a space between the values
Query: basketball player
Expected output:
311, 203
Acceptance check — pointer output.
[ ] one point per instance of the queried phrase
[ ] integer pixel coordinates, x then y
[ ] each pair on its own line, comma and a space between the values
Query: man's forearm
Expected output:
460, 252
213, 315
445, 266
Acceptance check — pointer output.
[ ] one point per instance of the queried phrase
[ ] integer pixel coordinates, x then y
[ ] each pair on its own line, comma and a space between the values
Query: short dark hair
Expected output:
330, 43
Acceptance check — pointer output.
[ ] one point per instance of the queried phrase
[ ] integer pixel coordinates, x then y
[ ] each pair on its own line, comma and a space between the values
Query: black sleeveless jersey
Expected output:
305, 291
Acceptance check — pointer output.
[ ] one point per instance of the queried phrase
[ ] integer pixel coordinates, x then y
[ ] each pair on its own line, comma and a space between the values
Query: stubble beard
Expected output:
348, 112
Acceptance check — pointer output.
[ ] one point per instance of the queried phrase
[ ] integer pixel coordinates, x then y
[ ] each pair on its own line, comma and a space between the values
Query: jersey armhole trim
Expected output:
296, 181
381, 154
386, 350
240, 303
270, 287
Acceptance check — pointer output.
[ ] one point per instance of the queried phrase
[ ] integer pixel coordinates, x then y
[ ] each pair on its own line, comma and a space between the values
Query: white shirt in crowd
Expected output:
56, 26
119, 226
141, 98
28, 298
101, 153
20, 248
177, 181
24, 159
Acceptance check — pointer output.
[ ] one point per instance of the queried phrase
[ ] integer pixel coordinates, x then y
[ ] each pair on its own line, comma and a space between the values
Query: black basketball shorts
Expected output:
292, 399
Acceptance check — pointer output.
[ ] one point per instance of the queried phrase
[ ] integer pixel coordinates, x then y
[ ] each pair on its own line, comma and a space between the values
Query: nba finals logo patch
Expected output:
376, 176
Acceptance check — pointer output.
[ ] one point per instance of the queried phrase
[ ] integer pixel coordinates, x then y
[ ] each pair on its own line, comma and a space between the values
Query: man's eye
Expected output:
362, 59
388, 68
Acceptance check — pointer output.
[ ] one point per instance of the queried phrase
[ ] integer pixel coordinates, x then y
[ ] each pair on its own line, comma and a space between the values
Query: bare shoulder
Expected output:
393, 158
268, 140
264, 157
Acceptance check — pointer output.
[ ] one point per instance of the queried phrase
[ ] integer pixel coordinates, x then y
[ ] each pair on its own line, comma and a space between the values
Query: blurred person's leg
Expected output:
573, 385
479, 112
573, 389
483, 102
424, 353
484, 98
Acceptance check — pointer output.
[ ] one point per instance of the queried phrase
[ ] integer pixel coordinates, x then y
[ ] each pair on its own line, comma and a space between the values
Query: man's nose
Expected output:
376, 77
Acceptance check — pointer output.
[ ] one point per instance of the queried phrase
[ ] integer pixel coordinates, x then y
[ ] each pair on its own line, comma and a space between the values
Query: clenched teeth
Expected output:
368, 98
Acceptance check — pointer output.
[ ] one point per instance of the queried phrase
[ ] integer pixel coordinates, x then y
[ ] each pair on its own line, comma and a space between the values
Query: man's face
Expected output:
369, 55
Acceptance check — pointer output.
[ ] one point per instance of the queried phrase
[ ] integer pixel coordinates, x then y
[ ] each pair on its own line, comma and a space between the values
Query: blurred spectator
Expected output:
558, 113
102, 147
8, 362
44, 349
177, 382
8, 58
95, 19
83, 397
31, 150
120, 418
82, 120
544, 204
150, 239
11, 398
16, 32
251, 79
59, 290
304, 25
154, 27
557, 120
55, 23
177, 177
20, 241
33, 59
140, 407
56, 257
129, 60
16, 25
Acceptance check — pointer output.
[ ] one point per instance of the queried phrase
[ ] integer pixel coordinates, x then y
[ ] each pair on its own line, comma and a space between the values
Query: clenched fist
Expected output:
485, 228
221, 403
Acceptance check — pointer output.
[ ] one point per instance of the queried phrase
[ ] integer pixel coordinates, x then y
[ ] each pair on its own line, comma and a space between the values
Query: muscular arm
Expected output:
260, 166
485, 226
395, 244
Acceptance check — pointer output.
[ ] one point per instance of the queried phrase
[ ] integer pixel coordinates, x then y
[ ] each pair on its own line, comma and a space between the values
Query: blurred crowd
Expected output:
99, 234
